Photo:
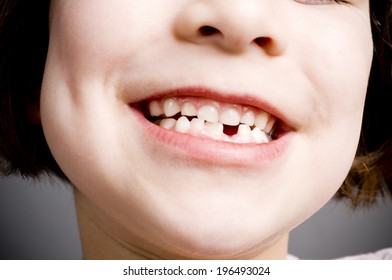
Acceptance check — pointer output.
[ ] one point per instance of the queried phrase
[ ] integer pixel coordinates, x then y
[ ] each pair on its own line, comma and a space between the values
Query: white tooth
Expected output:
155, 108
214, 129
168, 123
197, 125
270, 124
266, 137
171, 107
188, 109
261, 120
248, 118
183, 125
259, 136
230, 117
244, 134
208, 113
244, 130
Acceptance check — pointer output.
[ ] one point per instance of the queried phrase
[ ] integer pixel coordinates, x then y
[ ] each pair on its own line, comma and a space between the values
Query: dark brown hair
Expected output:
24, 39
371, 174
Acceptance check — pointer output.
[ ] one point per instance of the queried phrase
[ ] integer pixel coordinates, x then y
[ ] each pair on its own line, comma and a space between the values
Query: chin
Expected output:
209, 242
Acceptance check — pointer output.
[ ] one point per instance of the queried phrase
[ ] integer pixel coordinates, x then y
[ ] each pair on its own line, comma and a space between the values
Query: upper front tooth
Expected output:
270, 124
261, 120
188, 109
171, 107
208, 113
248, 118
155, 108
230, 117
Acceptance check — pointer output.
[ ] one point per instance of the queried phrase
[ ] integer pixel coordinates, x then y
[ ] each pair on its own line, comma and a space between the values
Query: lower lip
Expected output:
208, 151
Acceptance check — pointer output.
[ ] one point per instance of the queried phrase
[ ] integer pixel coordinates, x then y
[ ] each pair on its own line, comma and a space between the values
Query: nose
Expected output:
232, 25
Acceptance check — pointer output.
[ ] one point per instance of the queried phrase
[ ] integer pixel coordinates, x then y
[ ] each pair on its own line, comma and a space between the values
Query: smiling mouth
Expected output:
206, 118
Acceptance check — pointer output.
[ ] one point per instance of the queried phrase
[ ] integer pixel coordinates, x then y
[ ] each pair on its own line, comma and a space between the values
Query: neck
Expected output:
99, 243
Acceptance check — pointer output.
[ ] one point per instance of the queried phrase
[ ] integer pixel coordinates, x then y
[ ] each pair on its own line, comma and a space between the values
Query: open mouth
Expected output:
206, 118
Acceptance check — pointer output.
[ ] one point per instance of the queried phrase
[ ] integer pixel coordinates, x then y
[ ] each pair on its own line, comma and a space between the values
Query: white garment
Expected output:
384, 254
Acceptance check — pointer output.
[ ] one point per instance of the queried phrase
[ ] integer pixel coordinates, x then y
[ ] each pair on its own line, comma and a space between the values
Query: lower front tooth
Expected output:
214, 129
244, 134
168, 123
259, 136
183, 125
197, 125
244, 130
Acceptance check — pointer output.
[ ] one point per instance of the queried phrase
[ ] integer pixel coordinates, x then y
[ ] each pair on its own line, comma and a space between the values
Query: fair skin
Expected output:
146, 191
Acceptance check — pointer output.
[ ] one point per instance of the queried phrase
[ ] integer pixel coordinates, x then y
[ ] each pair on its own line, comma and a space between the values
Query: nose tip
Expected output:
231, 25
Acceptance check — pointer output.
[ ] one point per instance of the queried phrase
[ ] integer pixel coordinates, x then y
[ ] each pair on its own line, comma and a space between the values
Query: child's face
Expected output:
201, 193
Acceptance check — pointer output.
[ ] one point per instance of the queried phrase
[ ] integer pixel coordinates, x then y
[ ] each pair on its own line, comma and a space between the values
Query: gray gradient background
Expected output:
37, 221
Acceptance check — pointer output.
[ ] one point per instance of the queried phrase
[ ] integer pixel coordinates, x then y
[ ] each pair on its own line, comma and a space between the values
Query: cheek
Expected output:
337, 64
340, 78
94, 36
336, 60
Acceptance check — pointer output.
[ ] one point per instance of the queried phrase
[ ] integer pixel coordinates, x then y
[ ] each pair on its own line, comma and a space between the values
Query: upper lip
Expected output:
245, 99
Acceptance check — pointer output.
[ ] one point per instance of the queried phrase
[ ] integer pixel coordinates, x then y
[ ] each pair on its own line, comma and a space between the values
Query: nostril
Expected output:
262, 41
207, 30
